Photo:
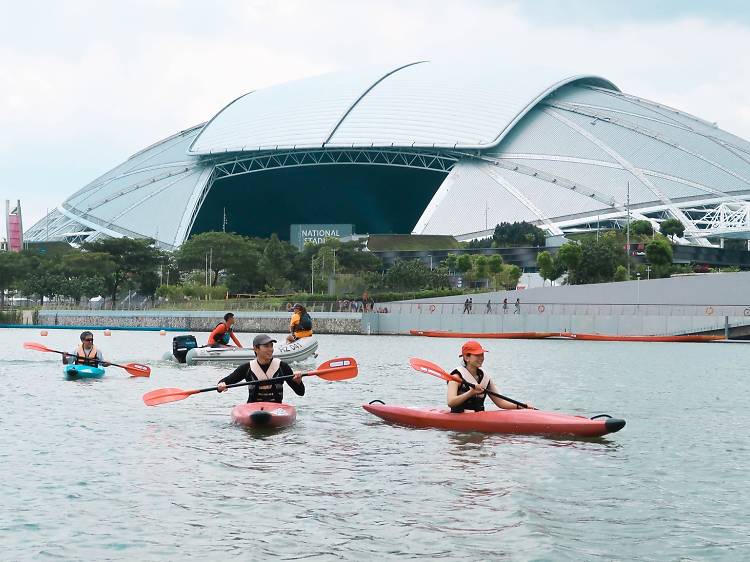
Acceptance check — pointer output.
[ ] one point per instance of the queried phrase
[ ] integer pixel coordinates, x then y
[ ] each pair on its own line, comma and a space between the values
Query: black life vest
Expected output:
476, 402
271, 392
305, 323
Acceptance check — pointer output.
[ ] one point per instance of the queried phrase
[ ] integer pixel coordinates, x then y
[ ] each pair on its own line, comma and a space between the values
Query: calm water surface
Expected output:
90, 473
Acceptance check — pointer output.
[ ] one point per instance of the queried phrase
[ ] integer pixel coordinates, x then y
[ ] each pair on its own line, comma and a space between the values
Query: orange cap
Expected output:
472, 347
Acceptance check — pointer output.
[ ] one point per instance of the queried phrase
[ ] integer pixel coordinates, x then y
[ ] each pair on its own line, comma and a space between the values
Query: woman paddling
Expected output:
462, 396
300, 325
265, 367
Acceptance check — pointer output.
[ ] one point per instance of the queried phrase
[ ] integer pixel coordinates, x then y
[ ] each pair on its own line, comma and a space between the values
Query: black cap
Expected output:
262, 339
297, 305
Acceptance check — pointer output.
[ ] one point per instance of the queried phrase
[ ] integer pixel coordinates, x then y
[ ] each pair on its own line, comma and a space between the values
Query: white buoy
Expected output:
43, 333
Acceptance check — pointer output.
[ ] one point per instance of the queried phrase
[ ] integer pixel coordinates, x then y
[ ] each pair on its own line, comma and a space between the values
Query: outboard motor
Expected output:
181, 345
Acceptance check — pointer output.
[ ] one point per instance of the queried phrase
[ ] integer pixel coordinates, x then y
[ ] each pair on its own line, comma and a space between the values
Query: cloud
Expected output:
84, 84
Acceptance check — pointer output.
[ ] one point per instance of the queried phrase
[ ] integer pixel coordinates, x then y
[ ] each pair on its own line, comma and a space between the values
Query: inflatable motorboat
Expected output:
185, 350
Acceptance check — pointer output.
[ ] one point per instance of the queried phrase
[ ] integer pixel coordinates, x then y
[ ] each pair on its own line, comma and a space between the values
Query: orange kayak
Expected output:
604, 337
271, 415
484, 335
526, 422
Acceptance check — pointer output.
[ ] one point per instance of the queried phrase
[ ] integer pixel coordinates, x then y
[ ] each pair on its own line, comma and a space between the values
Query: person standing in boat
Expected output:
463, 397
265, 367
86, 353
301, 324
223, 332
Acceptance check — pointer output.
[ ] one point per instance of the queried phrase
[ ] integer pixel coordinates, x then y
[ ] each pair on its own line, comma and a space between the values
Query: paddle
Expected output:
339, 369
135, 369
424, 366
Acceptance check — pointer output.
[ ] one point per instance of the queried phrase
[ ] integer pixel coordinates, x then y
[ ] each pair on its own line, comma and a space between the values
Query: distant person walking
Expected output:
467, 307
488, 309
518, 307
505, 305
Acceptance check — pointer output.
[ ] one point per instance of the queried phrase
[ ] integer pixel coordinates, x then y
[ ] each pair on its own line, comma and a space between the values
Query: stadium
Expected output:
423, 148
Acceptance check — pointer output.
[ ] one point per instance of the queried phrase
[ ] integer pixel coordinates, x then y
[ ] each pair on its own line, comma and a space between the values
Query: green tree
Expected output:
642, 228
131, 258
570, 256
220, 251
84, 274
414, 275
495, 263
509, 276
276, 262
672, 228
546, 265
621, 273
659, 254
464, 263
10, 272
41, 277
517, 234
451, 262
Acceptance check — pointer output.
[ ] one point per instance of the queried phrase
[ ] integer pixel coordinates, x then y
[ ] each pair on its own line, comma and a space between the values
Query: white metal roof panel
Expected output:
301, 114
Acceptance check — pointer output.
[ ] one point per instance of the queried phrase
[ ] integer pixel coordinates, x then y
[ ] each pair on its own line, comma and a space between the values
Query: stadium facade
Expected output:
423, 148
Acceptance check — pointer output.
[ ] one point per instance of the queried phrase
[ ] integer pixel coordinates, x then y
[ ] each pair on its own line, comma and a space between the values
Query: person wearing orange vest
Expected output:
265, 367
86, 353
301, 324
462, 396
223, 331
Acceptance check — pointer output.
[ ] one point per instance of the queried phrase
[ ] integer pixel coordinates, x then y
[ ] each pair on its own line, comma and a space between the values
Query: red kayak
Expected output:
604, 337
271, 415
527, 422
484, 335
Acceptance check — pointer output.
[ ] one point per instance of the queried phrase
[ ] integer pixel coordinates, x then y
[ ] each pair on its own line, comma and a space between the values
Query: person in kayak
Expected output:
223, 331
264, 367
86, 353
461, 396
301, 324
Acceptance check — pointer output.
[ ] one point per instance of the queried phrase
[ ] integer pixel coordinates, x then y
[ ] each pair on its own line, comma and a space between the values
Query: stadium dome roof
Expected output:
428, 148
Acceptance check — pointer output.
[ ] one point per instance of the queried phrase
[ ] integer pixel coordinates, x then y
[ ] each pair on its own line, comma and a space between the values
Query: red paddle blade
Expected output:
424, 366
138, 370
166, 395
338, 369
36, 346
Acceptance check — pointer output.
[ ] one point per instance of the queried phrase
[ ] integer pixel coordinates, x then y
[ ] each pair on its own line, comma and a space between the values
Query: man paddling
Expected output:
264, 367
470, 393
86, 353
223, 331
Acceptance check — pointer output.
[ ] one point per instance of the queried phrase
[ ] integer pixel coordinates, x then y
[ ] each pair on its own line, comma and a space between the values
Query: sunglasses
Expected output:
89, 339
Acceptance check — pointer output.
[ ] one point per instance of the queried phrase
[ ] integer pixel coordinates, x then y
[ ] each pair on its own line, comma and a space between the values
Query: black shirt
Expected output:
266, 392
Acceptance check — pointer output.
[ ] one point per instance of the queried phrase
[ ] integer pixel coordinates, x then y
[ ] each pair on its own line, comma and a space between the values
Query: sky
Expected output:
85, 84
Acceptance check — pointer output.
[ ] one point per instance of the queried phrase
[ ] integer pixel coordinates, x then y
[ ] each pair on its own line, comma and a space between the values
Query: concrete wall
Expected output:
200, 321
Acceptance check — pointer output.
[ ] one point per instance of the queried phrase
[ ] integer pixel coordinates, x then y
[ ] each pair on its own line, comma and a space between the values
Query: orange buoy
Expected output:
43, 333
107, 333
162, 332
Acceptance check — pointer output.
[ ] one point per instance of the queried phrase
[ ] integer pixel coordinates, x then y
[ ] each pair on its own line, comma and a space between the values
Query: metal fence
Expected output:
570, 309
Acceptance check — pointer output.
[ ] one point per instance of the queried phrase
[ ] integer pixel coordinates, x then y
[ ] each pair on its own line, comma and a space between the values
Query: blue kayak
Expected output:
83, 372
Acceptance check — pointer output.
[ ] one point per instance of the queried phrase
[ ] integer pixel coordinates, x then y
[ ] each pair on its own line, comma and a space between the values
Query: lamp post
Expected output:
430, 256
638, 288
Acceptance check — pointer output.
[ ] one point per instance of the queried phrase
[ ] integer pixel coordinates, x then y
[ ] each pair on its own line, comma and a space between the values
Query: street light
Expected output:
638, 288
430, 256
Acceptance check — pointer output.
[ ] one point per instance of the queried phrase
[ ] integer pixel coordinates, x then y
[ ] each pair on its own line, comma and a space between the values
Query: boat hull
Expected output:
264, 415
523, 422
288, 352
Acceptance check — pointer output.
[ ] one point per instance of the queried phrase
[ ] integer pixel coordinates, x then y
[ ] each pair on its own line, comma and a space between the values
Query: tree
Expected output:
276, 262
463, 263
414, 275
41, 276
218, 250
570, 256
509, 276
131, 258
451, 262
495, 263
10, 264
546, 266
517, 234
659, 254
672, 228
621, 273
641, 227
84, 274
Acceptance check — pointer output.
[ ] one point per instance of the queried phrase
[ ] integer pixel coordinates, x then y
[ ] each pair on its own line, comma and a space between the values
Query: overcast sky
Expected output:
84, 84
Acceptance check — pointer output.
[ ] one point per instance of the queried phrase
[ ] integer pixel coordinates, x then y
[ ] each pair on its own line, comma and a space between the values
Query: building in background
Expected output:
13, 226
424, 148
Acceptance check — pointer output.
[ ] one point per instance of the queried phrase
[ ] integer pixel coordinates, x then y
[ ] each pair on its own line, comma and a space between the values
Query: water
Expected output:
90, 473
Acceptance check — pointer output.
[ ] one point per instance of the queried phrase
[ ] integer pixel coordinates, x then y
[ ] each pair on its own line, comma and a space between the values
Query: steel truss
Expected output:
724, 218
439, 162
